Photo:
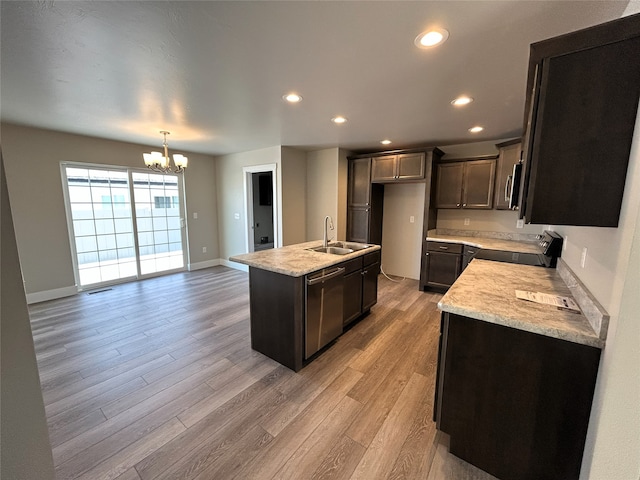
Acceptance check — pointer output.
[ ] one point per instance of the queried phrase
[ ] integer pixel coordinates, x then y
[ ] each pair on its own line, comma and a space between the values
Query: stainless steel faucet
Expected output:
325, 238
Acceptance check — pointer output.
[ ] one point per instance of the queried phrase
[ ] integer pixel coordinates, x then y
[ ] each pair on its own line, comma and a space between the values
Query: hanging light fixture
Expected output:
160, 163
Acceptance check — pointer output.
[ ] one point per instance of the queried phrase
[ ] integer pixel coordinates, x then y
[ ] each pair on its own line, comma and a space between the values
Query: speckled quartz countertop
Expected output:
486, 243
296, 260
486, 291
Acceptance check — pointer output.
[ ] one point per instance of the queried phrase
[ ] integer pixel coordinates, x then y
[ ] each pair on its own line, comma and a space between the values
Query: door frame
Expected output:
247, 173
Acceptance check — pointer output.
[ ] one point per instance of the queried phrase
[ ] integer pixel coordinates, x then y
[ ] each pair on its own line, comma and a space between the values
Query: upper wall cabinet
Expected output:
395, 168
467, 184
508, 157
582, 99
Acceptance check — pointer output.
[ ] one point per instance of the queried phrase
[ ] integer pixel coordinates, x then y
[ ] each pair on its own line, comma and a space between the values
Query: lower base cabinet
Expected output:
443, 265
360, 285
515, 404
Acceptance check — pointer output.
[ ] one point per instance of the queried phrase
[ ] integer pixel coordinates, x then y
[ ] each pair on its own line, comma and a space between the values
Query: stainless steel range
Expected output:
549, 243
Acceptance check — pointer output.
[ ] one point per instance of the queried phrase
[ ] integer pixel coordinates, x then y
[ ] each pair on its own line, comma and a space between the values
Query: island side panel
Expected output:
516, 404
277, 316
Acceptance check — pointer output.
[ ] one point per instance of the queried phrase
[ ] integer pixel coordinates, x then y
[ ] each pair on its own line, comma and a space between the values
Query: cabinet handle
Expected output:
507, 188
364, 272
457, 204
443, 248
427, 254
464, 204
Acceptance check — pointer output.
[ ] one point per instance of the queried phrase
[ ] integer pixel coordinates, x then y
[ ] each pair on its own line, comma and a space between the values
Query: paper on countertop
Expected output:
548, 299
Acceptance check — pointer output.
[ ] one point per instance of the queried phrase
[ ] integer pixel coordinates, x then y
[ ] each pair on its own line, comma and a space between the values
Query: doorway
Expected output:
261, 207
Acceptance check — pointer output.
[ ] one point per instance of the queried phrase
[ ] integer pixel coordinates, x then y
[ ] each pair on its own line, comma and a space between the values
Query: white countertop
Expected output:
296, 260
486, 291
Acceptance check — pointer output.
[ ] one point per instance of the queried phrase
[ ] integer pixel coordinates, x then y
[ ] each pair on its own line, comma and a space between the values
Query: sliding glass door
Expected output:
115, 239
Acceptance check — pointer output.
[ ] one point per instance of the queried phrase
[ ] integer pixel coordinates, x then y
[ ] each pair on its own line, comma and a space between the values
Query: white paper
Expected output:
548, 299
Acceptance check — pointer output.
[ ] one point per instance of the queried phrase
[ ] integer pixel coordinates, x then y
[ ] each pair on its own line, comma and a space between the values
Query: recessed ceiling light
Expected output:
385, 142
462, 100
292, 97
431, 38
339, 119
476, 129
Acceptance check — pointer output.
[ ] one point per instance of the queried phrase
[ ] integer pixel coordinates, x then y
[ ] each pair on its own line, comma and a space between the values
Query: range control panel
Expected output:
550, 243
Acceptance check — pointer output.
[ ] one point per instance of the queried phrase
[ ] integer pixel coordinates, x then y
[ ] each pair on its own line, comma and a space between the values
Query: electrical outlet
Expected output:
195, 215
204, 249
467, 221
583, 259
520, 223
412, 219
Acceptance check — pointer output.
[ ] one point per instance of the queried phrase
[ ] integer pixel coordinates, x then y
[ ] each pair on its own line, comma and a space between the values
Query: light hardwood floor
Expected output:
156, 380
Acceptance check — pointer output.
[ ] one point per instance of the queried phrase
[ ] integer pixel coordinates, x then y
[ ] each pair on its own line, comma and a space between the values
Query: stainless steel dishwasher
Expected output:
323, 315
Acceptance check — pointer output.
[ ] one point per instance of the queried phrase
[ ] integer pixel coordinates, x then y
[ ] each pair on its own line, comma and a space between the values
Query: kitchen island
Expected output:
279, 282
515, 378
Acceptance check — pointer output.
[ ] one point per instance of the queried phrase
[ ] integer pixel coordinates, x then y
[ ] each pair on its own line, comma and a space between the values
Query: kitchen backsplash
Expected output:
518, 237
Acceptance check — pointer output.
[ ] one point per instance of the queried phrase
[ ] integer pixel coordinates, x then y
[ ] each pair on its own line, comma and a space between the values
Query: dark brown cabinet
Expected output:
515, 404
364, 204
360, 285
466, 184
401, 167
443, 265
582, 99
508, 157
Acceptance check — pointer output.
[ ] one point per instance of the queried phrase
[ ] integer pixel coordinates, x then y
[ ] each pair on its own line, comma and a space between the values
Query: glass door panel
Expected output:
158, 221
102, 224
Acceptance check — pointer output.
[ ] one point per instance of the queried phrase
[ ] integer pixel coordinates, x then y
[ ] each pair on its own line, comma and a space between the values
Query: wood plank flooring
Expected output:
157, 380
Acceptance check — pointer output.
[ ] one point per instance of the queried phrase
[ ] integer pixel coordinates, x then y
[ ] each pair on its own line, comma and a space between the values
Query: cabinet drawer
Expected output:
444, 247
371, 258
352, 265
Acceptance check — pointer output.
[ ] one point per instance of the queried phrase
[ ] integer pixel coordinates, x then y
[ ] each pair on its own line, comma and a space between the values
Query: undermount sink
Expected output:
333, 249
353, 246
341, 248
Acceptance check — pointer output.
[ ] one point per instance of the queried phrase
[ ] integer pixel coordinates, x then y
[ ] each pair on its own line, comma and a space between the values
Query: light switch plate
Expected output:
520, 223
236, 216
467, 221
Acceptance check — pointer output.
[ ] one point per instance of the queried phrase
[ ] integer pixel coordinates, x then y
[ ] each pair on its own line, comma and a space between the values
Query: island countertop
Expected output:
296, 260
486, 291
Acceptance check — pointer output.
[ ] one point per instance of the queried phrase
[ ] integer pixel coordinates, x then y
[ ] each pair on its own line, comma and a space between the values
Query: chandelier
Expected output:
160, 163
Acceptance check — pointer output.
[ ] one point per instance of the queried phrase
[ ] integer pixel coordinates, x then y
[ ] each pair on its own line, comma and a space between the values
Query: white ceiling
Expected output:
213, 73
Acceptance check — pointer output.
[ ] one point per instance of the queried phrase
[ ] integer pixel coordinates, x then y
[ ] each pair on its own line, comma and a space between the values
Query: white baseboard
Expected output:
201, 265
45, 295
235, 265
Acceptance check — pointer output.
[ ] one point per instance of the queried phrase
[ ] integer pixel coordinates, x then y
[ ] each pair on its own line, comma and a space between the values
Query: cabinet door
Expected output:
442, 268
359, 182
479, 177
581, 139
370, 286
358, 221
383, 168
352, 303
410, 166
509, 156
449, 185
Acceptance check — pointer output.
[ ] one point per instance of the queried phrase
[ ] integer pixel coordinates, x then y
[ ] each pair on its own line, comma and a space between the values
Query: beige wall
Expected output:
322, 193
401, 239
484, 220
294, 198
32, 159
230, 197
24, 438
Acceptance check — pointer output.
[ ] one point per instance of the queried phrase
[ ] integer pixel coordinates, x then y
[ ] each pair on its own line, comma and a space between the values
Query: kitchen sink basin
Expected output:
353, 246
335, 250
